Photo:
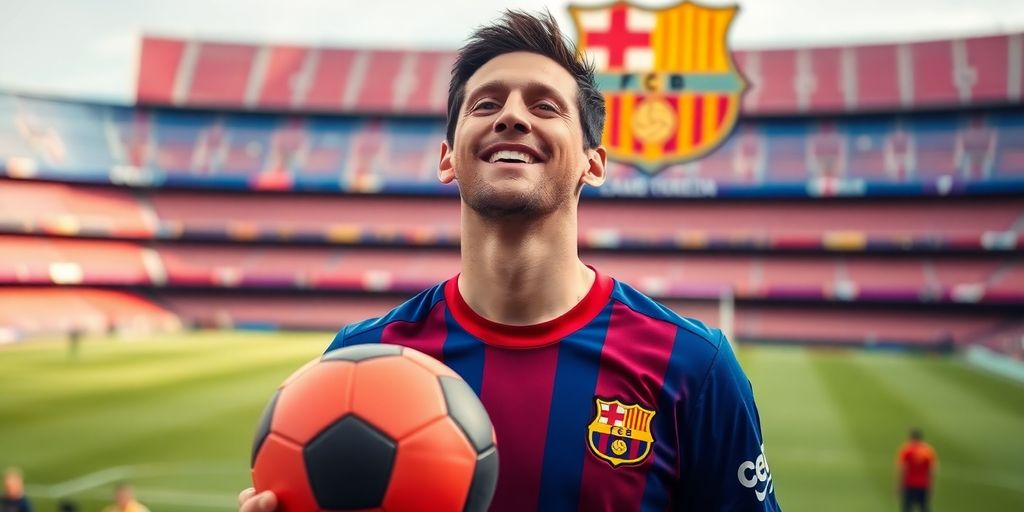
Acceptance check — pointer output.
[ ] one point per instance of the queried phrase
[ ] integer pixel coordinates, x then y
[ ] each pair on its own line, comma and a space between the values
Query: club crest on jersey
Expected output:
620, 434
671, 89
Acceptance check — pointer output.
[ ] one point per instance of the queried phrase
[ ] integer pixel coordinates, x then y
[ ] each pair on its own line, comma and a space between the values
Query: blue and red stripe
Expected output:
632, 369
572, 407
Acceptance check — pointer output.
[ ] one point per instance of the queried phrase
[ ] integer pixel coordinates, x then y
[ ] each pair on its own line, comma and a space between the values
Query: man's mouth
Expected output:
511, 157
511, 153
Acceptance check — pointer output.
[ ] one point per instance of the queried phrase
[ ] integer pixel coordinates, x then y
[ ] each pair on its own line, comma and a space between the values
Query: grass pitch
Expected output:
175, 416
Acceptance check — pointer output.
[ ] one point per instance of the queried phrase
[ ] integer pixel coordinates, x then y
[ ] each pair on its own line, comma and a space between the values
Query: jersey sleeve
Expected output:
338, 341
723, 460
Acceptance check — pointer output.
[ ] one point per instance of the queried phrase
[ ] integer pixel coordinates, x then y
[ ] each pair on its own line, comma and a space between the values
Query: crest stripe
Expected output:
686, 13
698, 120
675, 40
658, 45
670, 144
720, 56
633, 446
710, 117
724, 105
701, 46
667, 51
609, 107
684, 138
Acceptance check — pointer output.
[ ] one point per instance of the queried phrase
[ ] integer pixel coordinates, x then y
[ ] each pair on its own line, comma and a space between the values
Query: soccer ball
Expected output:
376, 427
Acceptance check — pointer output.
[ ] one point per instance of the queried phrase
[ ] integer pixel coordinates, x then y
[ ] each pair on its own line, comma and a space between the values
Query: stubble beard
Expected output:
490, 203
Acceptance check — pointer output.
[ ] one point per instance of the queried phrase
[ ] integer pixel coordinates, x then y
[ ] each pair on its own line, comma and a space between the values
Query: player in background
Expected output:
124, 500
601, 398
916, 463
14, 499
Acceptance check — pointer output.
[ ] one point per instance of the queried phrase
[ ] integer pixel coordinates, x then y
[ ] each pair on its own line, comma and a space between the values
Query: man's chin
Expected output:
495, 204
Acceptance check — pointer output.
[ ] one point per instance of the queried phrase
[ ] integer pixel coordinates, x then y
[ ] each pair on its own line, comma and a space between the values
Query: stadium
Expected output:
165, 265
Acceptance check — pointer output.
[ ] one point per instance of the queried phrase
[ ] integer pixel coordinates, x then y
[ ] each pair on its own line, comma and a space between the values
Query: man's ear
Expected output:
446, 168
596, 160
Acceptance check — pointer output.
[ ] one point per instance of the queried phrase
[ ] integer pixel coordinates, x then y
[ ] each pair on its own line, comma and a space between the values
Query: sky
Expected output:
89, 48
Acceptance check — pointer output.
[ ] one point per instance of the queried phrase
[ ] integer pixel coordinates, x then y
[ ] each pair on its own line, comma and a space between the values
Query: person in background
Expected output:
124, 500
14, 499
916, 462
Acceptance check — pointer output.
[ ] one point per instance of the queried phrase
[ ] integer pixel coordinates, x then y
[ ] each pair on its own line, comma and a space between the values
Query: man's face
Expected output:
124, 496
518, 141
13, 485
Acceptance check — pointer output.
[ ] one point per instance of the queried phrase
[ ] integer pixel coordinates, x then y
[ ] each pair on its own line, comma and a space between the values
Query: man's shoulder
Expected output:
415, 309
697, 348
640, 304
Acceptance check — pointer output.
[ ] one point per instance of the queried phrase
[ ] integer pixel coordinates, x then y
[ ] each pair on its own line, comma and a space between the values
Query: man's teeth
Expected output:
511, 155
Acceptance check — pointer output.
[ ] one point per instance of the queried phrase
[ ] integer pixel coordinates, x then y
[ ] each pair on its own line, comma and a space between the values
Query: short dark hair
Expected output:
519, 31
916, 434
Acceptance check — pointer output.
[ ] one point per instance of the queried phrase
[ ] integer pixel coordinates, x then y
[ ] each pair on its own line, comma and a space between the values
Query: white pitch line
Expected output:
176, 497
90, 481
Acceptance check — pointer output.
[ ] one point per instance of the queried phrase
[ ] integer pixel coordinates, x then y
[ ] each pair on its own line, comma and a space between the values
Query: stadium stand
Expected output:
880, 224
920, 154
30, 312
855, 212
371, 81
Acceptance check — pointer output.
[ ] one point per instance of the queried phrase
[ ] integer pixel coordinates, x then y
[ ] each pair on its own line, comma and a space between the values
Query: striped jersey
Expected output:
620, 404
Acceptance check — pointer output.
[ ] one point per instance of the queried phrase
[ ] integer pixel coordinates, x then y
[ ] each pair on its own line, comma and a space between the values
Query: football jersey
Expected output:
917, 459
619, 404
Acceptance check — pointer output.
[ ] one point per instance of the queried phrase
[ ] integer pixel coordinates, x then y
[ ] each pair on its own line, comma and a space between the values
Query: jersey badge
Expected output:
620, 433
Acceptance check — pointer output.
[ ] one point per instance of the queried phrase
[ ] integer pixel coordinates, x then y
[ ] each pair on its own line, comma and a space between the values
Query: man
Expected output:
916, 461
601, 398
14, 499
124, 500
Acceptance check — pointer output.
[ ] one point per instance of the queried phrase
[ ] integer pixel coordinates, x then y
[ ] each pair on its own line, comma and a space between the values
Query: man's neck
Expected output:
522, 272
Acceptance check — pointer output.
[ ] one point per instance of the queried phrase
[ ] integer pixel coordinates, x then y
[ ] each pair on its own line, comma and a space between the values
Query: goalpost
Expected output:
726, 312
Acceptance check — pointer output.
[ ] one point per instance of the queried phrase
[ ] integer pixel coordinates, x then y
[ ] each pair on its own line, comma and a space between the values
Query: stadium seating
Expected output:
30, 260
33, 260
886, 77
31, 312
923, 154
63, 209
894, 224
854, 212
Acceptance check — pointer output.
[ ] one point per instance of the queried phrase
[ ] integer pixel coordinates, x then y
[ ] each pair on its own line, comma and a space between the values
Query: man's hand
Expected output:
249, 501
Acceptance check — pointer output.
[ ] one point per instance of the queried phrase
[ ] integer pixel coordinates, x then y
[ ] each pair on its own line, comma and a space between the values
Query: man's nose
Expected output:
514, 115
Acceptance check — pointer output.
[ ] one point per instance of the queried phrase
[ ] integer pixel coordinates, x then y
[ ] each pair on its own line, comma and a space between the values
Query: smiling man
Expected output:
601, 398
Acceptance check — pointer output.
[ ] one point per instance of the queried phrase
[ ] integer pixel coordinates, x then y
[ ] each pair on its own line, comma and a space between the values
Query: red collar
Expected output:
528, 336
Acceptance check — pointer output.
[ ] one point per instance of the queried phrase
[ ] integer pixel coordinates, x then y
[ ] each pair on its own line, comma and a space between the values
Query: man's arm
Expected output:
724, 465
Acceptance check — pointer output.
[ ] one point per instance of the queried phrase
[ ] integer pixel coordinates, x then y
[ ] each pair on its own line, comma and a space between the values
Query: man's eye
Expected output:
547, 106
486, 105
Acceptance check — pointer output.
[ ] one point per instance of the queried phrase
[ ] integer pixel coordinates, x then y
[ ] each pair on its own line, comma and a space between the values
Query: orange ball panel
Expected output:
429, 363
415, 395
313, 401
280, 468
433, 470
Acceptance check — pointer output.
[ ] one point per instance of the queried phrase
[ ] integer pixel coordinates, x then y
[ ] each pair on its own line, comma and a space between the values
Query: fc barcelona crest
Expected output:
672, 92
620, 434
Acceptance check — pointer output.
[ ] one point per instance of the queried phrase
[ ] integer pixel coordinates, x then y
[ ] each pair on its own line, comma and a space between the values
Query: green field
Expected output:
175, 416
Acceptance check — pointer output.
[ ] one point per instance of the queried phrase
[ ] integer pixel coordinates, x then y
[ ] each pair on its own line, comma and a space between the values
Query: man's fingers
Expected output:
267, 501
249, 501
245, 495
